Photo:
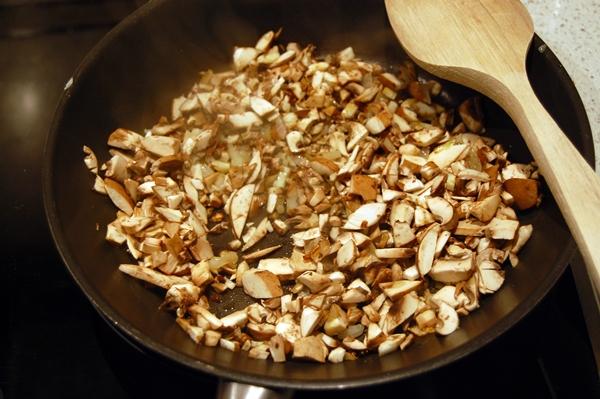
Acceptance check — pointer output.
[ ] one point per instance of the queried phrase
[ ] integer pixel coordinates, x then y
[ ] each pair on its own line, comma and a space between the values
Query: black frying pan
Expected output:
129, 79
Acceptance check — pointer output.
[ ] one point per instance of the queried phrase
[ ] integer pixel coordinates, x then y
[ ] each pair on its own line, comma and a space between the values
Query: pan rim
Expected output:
138, 338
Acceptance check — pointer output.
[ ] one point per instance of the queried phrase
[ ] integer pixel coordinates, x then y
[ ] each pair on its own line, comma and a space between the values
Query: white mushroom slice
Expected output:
245, 120
389, 80
448, 295
277, 348
195, 333
399, 312
523, 235
390, 344
300, 264
284, 58
396, 289
485, 209
358, 238
337, 141
427, 136
472, 174
99, 186
263, 228
447, 319
336, 322
441, 242
163, 146
401, 212
402, 234
181, 295
278, 266
347, 254
235, 319
337, 355
411, 273
517, 171
357, 132
280, 226
309, 320
294, 140
114, 234
240, 206
468, 228
119, 196
152, 276
445, 154
353, 296
262, 332
426, 319
310, 348
315, 282
365, 216
261, 252
124, 139
502, 229
452, 271
90, 160
302, 236
423, 217
212, 338
426, 251
264, 42
374, 335
388, 195
491, 277
257, 162
230, 345
394, 253
378, 123
214, 322
171, 215
243, 56
260, 351
261, 106
442, 210
261, 284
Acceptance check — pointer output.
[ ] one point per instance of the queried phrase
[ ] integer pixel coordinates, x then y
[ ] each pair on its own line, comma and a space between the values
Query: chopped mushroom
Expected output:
261, 284
310, 348
382, 217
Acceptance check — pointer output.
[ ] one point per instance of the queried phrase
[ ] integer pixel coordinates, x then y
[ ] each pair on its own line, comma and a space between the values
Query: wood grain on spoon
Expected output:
483, 44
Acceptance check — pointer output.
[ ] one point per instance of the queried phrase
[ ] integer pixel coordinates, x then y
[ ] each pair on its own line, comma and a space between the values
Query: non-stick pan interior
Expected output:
129, 80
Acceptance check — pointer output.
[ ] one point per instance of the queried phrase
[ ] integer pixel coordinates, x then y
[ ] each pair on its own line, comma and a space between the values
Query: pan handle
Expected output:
237, 390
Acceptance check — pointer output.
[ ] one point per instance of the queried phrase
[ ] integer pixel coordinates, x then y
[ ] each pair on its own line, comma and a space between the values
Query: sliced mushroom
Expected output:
443, 211
501, 229
152, 276
118, 196
261, 284
394, 253
426, 251
278, 266
240, 206
447, 319
451, 271
365, 216
310, 348
485, 209
396, 289
347, 254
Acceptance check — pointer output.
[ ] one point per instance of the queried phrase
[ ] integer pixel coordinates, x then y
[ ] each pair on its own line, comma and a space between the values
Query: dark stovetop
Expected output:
54, 345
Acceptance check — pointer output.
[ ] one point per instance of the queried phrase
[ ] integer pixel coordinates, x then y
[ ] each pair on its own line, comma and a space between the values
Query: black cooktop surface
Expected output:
54, 345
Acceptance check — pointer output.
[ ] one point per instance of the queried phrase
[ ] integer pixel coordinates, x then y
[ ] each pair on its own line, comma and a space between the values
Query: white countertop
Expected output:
571, 28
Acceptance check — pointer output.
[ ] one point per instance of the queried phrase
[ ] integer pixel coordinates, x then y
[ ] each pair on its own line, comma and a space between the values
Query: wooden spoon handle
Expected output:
574, 184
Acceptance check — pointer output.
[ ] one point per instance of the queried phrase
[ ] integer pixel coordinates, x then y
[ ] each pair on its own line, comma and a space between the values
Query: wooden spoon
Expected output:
483, 44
